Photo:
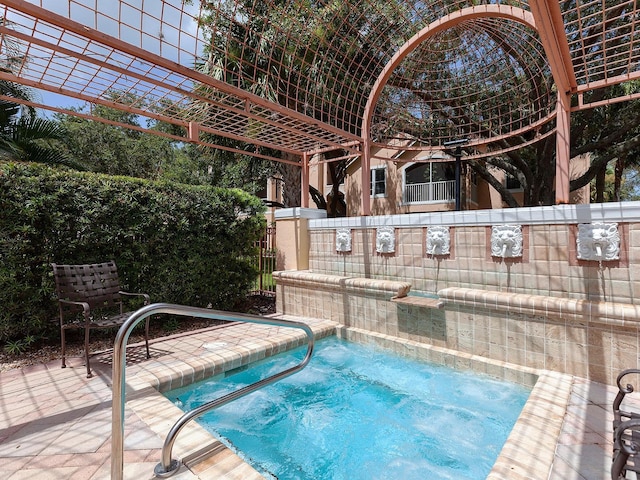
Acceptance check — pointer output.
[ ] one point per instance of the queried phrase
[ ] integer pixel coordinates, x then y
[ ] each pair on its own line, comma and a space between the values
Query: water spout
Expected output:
598, 248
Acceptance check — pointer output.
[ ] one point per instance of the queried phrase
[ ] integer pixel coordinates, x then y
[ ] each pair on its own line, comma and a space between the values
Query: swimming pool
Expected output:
358, 412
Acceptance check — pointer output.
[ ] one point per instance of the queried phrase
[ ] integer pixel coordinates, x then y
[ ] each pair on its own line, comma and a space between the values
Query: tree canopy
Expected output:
480, 78
303, 44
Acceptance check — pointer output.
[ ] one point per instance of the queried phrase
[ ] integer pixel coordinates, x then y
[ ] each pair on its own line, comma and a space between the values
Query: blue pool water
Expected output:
356, 412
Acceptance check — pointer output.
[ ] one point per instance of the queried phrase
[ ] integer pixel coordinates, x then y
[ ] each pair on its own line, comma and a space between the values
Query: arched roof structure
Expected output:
307, 76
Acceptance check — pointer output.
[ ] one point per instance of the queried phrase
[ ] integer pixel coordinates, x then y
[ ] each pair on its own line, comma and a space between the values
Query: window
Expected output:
429, 182
378, 182
329, 175
512, 183
430, 172
278, 192
474, 186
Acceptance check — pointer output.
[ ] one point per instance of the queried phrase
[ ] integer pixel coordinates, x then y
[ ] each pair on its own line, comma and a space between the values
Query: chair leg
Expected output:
63, 346
146, 337
618, 470
86, 350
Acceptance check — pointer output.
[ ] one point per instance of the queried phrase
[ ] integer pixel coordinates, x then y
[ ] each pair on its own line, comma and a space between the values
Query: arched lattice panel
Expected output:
296, 75
318, 58
604, 40
484, 79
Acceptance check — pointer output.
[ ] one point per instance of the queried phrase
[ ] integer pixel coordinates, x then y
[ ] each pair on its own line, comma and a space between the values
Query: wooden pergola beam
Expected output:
550, 26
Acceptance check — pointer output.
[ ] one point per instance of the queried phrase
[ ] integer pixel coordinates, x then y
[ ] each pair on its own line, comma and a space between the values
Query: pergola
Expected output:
299, 77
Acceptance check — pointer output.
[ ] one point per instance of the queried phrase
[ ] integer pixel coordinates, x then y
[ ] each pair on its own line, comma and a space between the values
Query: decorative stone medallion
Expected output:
385, 240
343, 240
506, 241
598, 241
438, 240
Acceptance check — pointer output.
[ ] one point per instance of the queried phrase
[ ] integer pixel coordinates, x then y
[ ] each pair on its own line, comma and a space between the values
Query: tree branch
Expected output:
483, 173
603, 160
317, 198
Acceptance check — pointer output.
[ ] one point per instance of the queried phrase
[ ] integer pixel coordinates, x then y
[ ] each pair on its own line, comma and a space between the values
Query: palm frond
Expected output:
28, 129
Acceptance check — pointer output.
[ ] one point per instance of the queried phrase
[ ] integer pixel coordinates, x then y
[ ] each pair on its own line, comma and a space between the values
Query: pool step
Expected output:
216, 461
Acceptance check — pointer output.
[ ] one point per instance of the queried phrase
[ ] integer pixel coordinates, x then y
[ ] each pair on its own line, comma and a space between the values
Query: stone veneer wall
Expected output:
546, 310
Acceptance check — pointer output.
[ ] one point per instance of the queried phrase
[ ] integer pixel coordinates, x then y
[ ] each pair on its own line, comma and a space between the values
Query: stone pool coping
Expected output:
528, 452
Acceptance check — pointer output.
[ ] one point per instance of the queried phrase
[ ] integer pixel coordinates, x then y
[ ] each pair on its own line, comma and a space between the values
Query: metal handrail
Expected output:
167, 466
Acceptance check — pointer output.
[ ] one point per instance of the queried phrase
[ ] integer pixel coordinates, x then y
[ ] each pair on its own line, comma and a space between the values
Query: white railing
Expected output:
429, 192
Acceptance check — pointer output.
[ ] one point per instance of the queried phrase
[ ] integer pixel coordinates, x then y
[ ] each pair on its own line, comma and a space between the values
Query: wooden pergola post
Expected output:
366, 175
563, 148
304, 193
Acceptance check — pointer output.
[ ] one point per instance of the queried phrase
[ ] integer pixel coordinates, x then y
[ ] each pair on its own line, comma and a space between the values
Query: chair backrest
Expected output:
96, 284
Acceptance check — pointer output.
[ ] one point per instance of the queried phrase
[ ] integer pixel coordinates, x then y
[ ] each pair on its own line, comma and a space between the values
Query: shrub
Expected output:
192, 245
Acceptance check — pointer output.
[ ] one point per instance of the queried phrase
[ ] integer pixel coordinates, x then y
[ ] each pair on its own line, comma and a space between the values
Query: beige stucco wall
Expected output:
292, 237
392, 204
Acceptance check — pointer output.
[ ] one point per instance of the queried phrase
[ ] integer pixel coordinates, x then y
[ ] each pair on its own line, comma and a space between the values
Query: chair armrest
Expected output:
85, 308
147, 299
632, 445
622, 375
623, 389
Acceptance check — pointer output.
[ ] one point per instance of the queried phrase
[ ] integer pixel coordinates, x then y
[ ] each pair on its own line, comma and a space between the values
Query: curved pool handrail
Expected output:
167, 466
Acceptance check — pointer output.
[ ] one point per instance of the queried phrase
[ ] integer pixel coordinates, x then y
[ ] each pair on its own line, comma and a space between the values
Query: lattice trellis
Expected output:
296, 76
490, 80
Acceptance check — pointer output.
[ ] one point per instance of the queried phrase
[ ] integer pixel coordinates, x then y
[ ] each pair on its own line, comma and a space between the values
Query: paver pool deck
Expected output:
56, 424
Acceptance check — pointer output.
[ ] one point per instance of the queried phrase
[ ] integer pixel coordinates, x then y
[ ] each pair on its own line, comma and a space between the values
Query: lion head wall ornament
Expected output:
343, 240
598, 241
385, 240
506, 241
438, 241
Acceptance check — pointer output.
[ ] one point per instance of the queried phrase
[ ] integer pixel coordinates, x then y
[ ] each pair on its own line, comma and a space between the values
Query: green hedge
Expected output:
181, 244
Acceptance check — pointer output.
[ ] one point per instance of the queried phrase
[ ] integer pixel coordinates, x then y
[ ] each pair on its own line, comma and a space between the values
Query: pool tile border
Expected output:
527, 454
530, 449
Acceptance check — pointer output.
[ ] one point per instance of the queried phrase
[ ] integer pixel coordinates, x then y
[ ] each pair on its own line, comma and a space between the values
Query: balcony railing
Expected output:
429, 192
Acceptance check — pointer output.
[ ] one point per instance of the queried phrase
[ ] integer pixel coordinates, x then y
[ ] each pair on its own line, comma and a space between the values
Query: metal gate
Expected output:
266, 261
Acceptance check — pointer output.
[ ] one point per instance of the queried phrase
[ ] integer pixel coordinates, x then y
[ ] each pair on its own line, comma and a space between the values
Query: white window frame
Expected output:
430, 181
373, 183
